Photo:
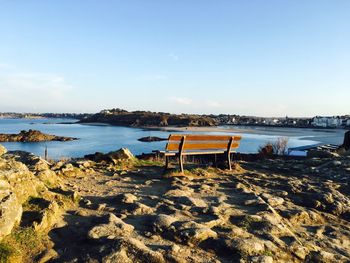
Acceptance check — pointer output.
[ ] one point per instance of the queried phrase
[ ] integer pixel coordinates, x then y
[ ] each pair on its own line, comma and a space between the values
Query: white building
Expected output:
334, 121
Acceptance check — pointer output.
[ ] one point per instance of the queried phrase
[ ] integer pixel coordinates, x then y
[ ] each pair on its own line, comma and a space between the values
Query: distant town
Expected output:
222, 119
317, 121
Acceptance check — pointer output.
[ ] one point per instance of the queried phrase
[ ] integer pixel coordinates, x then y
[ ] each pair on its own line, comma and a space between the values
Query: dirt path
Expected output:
260, 215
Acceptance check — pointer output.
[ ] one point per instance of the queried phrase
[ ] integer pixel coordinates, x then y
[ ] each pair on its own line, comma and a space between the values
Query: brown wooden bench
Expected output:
180, 145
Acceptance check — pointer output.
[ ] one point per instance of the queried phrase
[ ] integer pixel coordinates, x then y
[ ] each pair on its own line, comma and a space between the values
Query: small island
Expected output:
151, 139
33, 136
121, 117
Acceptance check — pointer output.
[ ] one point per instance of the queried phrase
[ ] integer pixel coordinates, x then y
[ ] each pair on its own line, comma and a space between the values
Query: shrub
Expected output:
266, 150
279, 147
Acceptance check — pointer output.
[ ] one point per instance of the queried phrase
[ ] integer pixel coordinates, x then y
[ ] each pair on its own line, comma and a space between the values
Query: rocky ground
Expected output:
32, 136
121, 209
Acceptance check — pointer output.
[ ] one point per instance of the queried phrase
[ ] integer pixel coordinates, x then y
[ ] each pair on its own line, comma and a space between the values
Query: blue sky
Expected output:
265, 58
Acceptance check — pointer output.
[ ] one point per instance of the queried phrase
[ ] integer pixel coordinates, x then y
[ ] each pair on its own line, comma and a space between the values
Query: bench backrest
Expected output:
199, 142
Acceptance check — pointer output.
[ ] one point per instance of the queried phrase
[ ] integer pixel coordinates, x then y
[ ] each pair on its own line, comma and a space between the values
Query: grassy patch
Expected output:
267, 253
23, 244
148, 163
247, 222
6, 252
206, 172
35, 204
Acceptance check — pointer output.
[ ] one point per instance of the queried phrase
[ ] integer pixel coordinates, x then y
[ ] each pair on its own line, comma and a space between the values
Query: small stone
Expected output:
175, 248
127, 198
130, 250
246, 246
214, 210
262, 259
142, 209
148, 182
163, 222
87, 202
337, 163
275, 201
300, 251
101, 207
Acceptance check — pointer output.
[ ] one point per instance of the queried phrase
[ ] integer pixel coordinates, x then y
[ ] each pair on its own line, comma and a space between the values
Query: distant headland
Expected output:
149, 119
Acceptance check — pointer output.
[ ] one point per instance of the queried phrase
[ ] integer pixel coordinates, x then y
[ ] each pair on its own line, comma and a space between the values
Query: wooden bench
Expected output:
195, 144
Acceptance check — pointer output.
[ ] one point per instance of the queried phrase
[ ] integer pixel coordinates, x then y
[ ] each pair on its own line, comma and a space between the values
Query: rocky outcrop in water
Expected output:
151, 139
145, 118
32, 136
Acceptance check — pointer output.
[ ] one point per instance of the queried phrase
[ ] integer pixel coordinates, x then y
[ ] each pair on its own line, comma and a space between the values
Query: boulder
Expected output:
191, 233
69, 170
3, 150
10, 210
115, 227
48, 177
17, 183
22, 181
133, 251
245, 246
126, 198
273, 200
38, 166
163, 222
191, 201
262, 259
121, 154
114, 157
321, 154
141, 209
346, 143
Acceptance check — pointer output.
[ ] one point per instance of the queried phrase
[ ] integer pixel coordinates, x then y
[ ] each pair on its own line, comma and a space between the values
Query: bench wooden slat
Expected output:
195, 144
199, 137
196, 152
200, 146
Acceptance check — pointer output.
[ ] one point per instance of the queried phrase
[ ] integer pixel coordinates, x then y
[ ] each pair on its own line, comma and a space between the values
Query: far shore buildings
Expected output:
318, 121
331, 122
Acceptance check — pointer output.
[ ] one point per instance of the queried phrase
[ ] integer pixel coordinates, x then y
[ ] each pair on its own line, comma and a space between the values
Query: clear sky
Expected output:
248, 57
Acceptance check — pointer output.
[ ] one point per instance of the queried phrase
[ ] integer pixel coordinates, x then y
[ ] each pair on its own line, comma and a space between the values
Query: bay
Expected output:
105, 138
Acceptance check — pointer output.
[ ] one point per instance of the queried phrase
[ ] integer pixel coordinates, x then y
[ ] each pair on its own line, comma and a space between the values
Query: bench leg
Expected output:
229, 161
166, 162
181, 163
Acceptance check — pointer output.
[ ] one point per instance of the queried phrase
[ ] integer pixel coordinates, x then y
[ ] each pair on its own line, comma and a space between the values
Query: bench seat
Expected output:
192, 144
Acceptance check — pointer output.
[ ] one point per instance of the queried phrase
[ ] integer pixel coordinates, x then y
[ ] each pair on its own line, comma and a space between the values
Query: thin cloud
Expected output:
29, 89
6, 66
182, 100
174, 56
214, 104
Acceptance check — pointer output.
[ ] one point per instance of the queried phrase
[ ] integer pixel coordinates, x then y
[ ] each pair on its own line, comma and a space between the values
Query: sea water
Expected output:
105, 138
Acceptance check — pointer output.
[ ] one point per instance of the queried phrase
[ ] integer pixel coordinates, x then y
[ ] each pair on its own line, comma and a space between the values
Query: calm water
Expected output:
108, 138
